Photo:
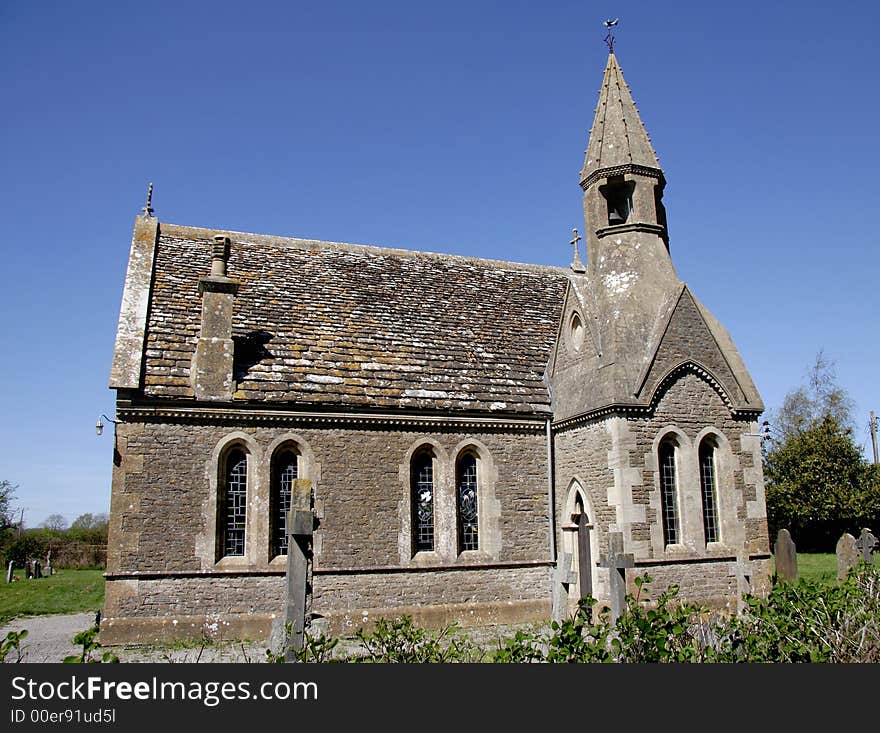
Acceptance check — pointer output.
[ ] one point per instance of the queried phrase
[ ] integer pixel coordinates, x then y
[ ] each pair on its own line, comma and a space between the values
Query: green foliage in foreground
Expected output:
798, 622
68, 591
88, 640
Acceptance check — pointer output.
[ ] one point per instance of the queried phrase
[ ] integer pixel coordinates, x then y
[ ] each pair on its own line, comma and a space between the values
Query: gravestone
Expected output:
616, 562
866, 544
38, 569
786, 556
9, 572
300, 526
847, 555
742, 571
28, 569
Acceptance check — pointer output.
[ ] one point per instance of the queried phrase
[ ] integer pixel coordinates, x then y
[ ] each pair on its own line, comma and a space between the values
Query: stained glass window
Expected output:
708, 489
234, 514
285, 471
668, 492
423, 502
468, 532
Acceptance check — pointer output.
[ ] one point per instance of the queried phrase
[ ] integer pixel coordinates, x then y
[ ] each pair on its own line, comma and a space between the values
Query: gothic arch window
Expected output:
466, 494
284, 471
709, 488
666, 462
422, 500
232, 509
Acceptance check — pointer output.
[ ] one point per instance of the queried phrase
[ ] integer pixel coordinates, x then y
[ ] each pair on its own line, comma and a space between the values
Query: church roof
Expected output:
617, 136
358, 326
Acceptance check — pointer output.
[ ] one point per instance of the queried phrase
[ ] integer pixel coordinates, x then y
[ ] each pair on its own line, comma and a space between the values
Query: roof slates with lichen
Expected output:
319, 323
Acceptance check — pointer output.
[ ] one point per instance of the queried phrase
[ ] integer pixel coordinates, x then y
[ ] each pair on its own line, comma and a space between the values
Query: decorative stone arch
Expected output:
577, 495
207, 545
729, 495
307, 467
687, 366
488, 505
688, 503
443, 504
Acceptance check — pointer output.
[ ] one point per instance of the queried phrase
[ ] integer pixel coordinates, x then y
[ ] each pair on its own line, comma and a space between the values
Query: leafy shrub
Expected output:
11, 643
88, 640
400, 641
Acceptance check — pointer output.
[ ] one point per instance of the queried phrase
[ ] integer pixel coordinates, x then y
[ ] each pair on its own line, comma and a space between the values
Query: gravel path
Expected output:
49, 639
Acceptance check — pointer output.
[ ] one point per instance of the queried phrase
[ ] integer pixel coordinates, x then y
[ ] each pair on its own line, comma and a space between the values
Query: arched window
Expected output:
233, 504
422, 499
709, 489
466, 503
668, 491
285, 470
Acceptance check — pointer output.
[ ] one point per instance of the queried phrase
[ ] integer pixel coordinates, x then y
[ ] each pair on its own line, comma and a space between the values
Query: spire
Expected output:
618, 136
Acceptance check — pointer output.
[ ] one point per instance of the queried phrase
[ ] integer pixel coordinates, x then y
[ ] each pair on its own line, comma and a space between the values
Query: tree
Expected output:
7, 494
55, 522
809, 404
819, 486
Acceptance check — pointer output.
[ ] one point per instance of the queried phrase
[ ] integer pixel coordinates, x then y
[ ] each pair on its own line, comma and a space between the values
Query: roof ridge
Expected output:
299, 242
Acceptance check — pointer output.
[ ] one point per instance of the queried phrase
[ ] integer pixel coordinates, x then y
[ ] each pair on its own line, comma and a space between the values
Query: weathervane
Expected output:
609, 39
148, 209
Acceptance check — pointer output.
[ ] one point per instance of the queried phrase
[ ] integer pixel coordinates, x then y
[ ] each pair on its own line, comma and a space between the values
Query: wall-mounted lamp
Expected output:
99, 426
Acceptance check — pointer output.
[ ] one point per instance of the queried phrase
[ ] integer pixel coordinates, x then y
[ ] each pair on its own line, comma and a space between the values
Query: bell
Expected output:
614, 217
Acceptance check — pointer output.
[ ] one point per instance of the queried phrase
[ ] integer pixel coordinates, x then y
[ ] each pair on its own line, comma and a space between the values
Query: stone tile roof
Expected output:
357, 326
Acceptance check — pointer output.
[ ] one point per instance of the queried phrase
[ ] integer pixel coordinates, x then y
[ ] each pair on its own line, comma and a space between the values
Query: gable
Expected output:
319, 323
689, 339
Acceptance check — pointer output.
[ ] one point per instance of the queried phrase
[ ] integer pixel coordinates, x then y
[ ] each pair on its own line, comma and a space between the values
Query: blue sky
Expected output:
453, 127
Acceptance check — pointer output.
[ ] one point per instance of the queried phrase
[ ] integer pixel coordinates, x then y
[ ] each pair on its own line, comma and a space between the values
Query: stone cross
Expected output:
616, 562
576, 264
9, 572
742, 571
847, 555
585, 575
300, 526
786, 556
866, 544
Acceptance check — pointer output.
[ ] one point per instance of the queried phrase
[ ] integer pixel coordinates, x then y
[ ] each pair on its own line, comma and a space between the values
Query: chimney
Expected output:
211, 372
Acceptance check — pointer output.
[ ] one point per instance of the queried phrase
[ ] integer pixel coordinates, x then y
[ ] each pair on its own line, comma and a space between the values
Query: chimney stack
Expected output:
212, 372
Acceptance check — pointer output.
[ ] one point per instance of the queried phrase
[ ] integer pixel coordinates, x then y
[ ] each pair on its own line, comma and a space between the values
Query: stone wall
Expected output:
164, 519
614, 460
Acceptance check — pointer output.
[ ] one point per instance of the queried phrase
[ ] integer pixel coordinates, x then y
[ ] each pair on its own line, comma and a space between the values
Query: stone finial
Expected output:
220, 255
148, 207
576, 264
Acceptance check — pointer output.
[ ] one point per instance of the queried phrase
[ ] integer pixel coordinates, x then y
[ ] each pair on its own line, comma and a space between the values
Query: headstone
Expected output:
9, 572
786, 556
616, 562
847, 555
866, 544
48, 570
742, 571
300, 526
38, 569
28, 569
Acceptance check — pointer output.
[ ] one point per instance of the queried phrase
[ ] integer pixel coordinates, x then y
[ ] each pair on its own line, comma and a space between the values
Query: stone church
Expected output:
475, 432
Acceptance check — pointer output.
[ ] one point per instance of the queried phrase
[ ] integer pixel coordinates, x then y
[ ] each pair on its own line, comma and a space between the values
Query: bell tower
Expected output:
629, 271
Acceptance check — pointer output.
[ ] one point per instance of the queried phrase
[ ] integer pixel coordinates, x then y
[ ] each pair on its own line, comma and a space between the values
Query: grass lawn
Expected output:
68, 591
821, 566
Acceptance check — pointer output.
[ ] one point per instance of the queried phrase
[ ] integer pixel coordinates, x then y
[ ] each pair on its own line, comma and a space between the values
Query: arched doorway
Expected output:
578, 547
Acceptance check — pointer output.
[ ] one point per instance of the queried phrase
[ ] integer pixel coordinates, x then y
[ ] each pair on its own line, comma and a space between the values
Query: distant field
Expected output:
68, 591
